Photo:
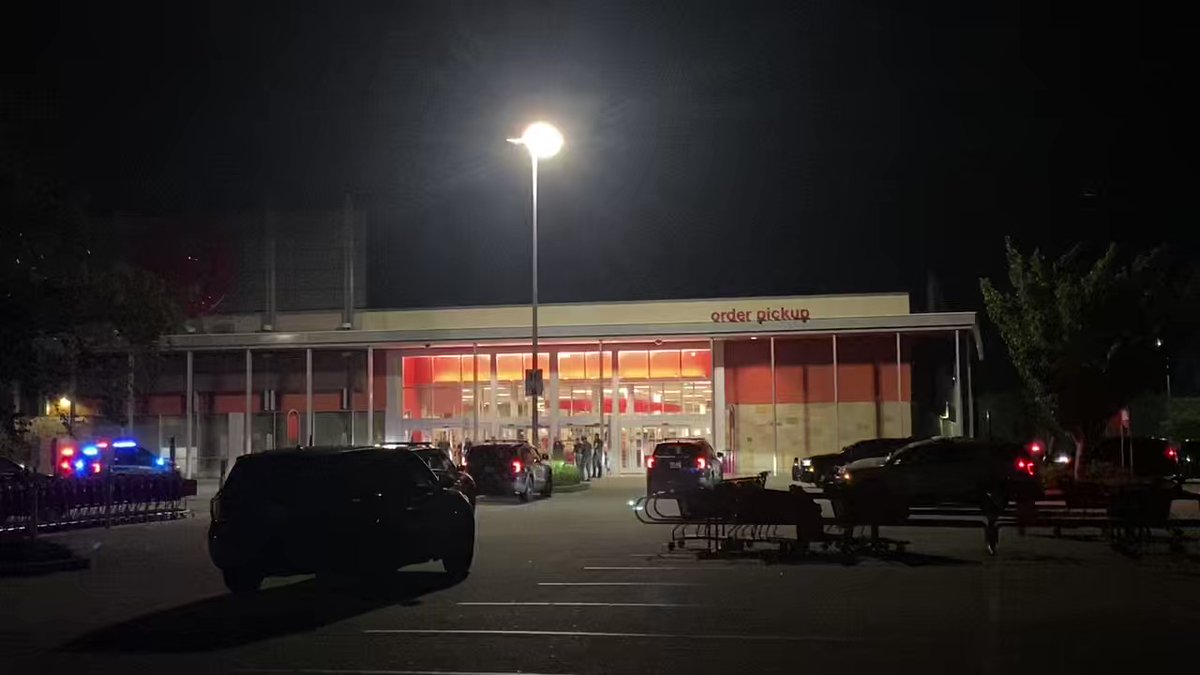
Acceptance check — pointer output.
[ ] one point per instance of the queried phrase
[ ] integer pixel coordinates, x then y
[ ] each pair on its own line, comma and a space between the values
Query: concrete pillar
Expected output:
310, 431
495, 416
552, 398
393, 411
837, 419
958, 410
720, 418
370, 395
614, 419
249, 428
475, 392
190, 402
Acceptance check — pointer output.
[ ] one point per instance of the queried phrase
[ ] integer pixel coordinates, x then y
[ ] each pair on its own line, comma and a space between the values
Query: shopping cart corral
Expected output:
741, 516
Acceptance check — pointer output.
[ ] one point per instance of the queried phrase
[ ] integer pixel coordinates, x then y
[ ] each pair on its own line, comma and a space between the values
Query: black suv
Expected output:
818, 469
681, 464
1137, 456
510, 468
939, 471
357, 510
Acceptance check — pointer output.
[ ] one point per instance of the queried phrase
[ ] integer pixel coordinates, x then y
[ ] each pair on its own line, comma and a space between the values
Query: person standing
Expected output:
598, 457
556, 450
585, 449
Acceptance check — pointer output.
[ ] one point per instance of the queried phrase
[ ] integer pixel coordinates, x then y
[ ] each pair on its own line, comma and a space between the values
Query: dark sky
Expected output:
722, 148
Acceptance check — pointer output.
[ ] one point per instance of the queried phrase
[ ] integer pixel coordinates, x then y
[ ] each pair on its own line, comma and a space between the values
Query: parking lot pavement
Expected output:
574, 584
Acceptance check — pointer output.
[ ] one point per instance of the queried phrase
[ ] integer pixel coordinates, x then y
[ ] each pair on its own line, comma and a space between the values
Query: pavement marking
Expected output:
577, 604
635, 567
615, 583
583, 633
339, 671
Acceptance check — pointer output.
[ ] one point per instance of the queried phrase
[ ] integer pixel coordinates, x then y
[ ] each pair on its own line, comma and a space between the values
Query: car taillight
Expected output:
1035, 447
95, 467
701, 463
1026, 465
1172, 454
65, 466
516, 465
67, 452
649, 462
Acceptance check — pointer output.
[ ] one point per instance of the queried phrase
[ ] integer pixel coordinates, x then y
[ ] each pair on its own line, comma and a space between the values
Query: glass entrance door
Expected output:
638, 440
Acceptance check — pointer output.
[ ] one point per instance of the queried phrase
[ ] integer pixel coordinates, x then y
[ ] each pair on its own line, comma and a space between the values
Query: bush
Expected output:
565, 474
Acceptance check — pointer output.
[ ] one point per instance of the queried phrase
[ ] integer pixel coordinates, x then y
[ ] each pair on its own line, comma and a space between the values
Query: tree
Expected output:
1082, 336
67, 312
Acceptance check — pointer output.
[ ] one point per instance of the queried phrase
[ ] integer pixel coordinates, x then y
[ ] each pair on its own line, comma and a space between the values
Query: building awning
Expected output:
391, 338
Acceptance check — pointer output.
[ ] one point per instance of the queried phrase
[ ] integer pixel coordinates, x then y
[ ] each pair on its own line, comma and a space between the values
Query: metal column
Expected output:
246, 430
190, 402
837, 414
308, 401
958, 415
128, 397
370, 395
492, 398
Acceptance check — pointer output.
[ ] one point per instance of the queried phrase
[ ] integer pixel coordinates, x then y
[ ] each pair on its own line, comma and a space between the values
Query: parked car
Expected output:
819, 469
448, 474
510, 468
357, 510
1138, 456
679, 464
939, 471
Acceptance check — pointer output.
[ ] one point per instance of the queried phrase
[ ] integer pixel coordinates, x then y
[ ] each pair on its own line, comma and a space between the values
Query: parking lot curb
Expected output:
578, 487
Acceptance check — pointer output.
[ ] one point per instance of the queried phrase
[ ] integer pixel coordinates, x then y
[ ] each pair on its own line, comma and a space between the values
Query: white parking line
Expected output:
582, 633
576, 604
340, 671
600, 567
615, 583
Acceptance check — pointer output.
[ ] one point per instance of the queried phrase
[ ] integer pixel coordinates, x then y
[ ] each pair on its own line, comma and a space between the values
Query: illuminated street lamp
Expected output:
543, 142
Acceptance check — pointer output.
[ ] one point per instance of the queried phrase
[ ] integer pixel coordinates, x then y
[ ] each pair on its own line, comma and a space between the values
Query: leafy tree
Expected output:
1083, 336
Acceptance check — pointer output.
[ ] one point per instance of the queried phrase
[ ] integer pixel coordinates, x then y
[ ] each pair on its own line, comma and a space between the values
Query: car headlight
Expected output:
846, 476
806, 462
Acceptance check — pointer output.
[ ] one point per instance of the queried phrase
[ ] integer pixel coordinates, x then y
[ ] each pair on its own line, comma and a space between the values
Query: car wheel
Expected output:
548, 488
524, 494
242, 579
457, 562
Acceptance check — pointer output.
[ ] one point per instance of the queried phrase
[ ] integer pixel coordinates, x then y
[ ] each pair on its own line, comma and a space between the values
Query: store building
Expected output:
764, 379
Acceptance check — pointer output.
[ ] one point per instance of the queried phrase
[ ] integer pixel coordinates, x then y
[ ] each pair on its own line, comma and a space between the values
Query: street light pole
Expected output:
535, 440
542, 141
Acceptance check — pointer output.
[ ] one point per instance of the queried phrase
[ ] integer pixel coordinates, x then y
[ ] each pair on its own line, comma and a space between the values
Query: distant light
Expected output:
542, 140
64, 402
90, 450
95, 467
160, 461
125, 444
79, 464
102, 444
1157, 342
67, 451
1062, 459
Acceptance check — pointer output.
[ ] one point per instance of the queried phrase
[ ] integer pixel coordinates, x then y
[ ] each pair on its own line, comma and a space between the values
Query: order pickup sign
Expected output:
765, 315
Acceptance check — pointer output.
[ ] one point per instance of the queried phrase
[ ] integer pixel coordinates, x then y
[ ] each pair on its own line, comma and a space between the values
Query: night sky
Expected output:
732, 148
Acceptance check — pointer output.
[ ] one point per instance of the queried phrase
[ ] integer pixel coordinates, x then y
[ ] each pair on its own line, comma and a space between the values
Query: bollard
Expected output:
172, 451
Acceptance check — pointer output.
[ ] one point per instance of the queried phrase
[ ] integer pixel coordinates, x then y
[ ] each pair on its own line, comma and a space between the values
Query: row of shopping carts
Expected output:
40, 503
741, 515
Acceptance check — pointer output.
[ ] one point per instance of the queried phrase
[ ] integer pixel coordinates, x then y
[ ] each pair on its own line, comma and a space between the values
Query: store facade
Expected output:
764, 379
